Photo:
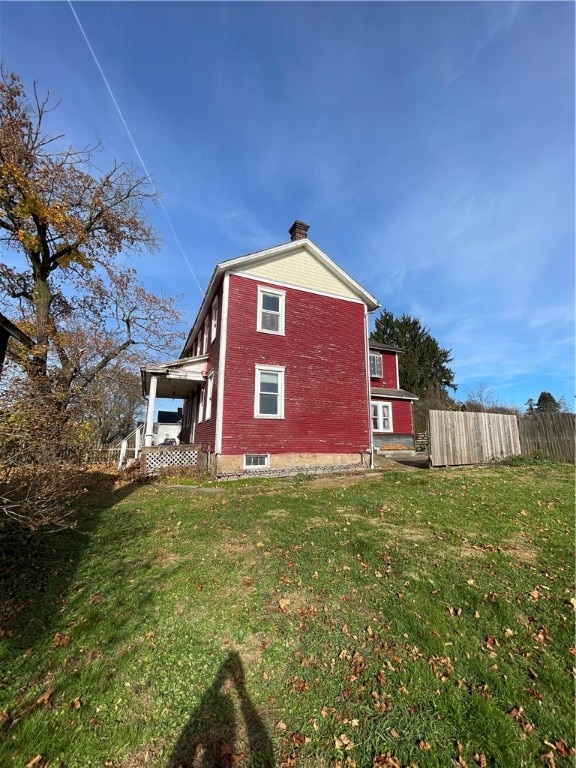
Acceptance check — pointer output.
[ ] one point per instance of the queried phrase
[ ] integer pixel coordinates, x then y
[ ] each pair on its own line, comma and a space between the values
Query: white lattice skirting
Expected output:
171, 458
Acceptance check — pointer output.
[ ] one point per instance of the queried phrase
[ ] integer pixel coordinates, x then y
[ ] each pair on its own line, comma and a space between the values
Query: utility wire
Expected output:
140, 158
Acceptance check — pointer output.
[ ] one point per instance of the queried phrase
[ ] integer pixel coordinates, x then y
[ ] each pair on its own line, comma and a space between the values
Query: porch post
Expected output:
149, 436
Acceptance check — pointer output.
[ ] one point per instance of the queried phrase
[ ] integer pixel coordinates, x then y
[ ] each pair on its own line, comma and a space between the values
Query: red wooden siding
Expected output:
402, 416
205, 431
323, 351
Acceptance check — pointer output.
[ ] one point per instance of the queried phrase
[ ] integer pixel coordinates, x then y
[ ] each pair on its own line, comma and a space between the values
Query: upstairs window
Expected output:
269, 393
205, 336
271, 310
375, 366
214, 319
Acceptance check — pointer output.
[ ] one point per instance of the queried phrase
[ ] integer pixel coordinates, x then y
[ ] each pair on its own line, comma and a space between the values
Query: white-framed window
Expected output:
271, 305
381, 416
202, 404
375, 366
205, 338
214, 319
256, 461
209, 391
269, 392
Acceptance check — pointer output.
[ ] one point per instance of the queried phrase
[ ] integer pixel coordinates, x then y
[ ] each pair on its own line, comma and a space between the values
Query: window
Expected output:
201, 404
269, 392
256, 461
214, 319
208, 411
381, 417
375, 366
205, 337
271, 310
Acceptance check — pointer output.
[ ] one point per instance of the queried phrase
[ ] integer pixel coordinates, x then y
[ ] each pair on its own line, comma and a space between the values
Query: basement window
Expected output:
256, 460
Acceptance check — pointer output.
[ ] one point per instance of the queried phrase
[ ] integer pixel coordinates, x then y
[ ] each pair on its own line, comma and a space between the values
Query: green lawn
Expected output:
400, 618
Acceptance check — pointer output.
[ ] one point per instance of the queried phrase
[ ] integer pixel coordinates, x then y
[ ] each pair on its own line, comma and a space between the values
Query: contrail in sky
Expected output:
140, 158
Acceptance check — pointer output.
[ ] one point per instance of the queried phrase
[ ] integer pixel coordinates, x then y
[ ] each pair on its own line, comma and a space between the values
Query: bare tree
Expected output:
70, 225
69, 229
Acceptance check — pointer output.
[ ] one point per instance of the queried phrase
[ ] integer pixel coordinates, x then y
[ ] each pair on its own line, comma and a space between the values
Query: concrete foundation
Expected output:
226, 464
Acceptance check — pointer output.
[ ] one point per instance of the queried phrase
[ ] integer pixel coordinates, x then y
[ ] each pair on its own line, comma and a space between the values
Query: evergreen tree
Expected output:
424, 364
547, 403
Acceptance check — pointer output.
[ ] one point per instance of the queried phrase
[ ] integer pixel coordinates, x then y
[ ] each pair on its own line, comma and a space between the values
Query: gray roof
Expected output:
400, 394
383, 347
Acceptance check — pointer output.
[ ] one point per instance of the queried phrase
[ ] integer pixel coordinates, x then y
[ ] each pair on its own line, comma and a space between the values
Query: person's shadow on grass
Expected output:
214, 737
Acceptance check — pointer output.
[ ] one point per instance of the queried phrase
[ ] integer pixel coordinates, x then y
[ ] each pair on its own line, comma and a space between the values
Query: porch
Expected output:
179, 380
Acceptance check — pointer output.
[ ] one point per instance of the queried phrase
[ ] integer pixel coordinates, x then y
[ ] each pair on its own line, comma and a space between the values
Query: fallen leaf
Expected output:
45, 697
386, 761
60, 640
481, 760
34, 762
563, 748
283, 603
424, 746
548, 760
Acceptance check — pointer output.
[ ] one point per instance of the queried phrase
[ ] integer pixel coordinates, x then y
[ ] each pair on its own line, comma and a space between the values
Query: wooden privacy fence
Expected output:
550, 434
464, 437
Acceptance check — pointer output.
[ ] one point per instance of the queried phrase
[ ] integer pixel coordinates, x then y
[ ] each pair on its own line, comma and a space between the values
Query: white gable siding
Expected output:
301, 269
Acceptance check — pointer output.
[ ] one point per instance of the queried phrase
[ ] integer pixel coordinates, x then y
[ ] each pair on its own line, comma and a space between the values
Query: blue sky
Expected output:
429, 146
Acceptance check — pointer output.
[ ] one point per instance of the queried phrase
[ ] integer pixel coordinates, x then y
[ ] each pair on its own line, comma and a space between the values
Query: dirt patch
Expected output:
166, 558
143, 758
470, 550
251, 649
521, 550
277, 514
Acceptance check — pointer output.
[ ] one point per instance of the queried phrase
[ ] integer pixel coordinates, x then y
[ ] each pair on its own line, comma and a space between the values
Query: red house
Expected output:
275, 371
390, 406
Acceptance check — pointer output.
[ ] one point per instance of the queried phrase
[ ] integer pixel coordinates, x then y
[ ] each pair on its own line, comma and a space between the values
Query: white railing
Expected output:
133, 443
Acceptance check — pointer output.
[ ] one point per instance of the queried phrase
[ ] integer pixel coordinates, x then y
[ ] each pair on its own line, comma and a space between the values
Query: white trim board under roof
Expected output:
252, 260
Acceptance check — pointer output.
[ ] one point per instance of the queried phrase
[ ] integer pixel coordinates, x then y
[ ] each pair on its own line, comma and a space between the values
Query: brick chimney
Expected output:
298, 231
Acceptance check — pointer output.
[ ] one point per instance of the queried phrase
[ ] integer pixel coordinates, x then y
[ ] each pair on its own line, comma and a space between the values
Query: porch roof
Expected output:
178, 378
398, 394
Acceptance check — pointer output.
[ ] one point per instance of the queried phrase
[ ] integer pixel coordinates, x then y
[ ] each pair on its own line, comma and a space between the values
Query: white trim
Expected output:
295, 245
265, 290
221, 366
149, 436
253, 468
366, 353
279, 369
293, 286
380, 404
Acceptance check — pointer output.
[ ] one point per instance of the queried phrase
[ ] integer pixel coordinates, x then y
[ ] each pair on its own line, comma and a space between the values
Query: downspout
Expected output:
367, 365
